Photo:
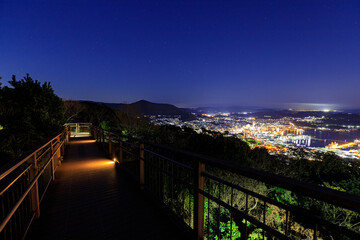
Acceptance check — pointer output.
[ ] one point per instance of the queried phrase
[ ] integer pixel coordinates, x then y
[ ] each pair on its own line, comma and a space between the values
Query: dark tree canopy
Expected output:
30, 113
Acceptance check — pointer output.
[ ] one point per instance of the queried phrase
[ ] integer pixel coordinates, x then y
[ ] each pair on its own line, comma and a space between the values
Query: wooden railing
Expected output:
78, 129
219, 200
23, 184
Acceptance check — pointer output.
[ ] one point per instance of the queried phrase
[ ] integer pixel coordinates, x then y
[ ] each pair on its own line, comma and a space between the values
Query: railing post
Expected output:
142, 166
121, 161
103, 139
35, 201
95, 133
68, 132
77, 128
110, 146
199, 200
52, 161
59, 154
62, 147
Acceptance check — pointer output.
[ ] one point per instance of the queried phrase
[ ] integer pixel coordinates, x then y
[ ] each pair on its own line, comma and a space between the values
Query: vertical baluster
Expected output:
264, 218
163, 178
121, 161
21, 208
110, 146
244, 235
14, 217
153, 174
35, 190
9, 206
189, 202
287, 223
231, 218
219, 209
199, 199
52, 161
209, 206
141, 172
172, 185
158, 178
2, 200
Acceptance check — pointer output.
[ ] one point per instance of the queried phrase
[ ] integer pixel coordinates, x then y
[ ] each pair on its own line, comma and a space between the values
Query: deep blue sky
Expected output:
189, 53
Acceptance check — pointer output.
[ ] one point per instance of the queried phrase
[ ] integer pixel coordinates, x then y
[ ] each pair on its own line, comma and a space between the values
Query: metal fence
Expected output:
23, 184
220, 200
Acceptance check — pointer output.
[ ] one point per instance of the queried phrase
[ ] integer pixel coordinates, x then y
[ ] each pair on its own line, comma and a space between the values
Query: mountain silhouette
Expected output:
144, 107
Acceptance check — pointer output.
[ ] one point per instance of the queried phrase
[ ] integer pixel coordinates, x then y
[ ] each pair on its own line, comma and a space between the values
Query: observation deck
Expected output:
87, 183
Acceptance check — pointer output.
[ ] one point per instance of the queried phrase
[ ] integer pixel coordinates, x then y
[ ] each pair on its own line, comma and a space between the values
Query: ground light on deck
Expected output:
82, 142
91, 164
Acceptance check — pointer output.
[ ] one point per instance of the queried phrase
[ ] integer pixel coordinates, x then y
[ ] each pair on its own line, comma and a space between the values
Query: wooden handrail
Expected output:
9, 168
31, 189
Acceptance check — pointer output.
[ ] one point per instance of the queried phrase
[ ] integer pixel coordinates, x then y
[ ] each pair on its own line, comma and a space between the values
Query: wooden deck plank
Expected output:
91, 200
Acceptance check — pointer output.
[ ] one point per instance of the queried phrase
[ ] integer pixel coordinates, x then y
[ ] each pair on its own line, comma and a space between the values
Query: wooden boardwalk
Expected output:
91, 200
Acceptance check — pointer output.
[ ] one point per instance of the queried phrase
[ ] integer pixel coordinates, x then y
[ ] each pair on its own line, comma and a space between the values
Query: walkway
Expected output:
91, 200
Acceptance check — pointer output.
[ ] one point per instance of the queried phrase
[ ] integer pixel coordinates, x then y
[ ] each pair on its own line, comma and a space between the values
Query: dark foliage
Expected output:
30, 113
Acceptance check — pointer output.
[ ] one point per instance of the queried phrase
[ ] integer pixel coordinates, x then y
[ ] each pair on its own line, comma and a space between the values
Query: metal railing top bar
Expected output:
180, 180
298, 211
30, 187
14, 180
251, 219
341, 199
169, 159
9, 168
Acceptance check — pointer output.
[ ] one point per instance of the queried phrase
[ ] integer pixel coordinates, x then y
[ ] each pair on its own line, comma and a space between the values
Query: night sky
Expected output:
188, 53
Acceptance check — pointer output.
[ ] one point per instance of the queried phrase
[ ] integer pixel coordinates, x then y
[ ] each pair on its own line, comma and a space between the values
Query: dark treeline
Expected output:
30, 113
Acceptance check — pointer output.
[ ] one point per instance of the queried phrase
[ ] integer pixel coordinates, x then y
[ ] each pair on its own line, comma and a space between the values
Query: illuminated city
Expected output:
277, 135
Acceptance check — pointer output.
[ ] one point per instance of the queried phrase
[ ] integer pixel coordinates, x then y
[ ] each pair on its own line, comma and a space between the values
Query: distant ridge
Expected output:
144, 107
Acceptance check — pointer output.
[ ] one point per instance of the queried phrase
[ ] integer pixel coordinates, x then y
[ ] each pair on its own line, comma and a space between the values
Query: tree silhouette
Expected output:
30, 112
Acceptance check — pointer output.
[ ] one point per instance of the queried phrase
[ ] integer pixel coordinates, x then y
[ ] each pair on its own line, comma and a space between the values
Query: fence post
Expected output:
62, 147
199, 200
142, 167
52, 161
95, 133
68, 133
77, 128
103, 140
121, 161
110, 147
35, 201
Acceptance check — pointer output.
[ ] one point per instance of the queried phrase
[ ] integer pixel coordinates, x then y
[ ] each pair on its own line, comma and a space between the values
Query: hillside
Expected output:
144, 107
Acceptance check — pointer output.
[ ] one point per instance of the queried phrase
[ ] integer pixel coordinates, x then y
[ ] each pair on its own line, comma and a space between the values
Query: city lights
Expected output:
277, 135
